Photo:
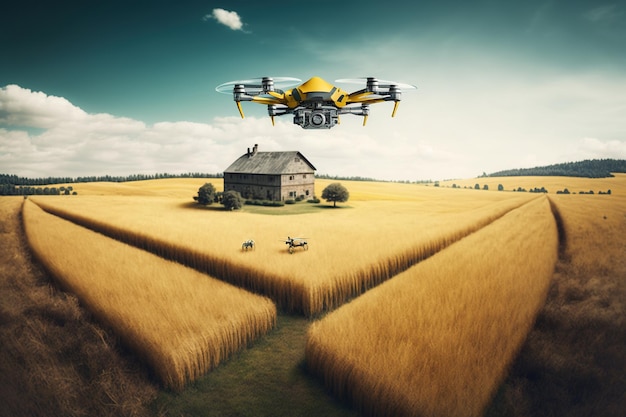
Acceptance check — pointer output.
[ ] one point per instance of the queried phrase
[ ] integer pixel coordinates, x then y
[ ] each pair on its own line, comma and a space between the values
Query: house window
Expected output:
304, 176
291, 177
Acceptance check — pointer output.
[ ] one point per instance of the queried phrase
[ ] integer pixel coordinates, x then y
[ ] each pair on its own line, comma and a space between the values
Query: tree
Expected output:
232, 200
335, 192
206, 194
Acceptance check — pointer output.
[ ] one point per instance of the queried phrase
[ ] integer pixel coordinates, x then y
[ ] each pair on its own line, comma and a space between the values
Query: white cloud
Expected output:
594, 148
23, 107
226, 18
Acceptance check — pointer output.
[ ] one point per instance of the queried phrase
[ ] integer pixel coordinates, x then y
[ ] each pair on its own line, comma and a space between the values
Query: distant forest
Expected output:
14, 185
590, 168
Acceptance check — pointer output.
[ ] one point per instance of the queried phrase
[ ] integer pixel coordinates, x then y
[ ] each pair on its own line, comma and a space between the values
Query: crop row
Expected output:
181, 322
437, 339
351, 250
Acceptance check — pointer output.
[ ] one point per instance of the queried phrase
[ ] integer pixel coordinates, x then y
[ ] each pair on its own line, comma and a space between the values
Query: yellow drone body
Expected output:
315, 104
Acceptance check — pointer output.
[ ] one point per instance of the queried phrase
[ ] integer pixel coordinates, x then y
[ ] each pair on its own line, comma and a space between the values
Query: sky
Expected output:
128, 87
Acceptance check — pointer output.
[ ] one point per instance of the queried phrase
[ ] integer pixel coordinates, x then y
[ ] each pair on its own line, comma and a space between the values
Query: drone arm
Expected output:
366, 100
267, 100
363, 110
359, 96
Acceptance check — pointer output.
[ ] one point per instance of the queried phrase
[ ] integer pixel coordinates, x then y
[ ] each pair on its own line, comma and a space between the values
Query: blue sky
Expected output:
112, 87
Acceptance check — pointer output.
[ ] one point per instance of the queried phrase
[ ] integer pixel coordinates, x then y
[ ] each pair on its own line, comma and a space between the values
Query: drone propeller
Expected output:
258, 85
374, 82
262, 90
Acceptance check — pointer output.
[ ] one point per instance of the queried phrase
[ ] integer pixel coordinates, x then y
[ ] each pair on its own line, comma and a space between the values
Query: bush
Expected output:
290, 201
313, 200
265, 203
232, 200
206, 194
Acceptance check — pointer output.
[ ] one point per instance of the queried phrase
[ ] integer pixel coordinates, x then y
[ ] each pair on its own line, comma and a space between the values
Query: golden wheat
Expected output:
167, 187
592, 221
436, 340
181, 322
351, 249
617, 183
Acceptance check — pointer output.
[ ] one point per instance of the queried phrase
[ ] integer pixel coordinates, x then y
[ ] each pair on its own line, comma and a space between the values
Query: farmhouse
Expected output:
271, 175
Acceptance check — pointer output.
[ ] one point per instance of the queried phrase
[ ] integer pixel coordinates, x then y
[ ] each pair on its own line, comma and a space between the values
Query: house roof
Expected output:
291, 162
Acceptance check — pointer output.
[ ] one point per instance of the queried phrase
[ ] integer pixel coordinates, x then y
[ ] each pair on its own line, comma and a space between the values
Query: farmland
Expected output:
380, 237
182, 323
465, 310
373, 246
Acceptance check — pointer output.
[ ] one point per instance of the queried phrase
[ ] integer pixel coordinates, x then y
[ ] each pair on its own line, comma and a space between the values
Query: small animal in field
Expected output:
248, 245
296, 242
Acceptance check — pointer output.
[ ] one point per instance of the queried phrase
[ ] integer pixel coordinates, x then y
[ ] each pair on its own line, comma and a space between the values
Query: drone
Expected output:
296, 242
315, 104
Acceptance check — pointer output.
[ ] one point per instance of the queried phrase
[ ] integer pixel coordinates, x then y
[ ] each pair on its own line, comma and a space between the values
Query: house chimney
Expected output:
256, 147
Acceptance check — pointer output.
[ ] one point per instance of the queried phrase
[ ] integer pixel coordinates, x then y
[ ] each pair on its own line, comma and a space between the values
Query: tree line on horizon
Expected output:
16, 185
589, 168
17, 180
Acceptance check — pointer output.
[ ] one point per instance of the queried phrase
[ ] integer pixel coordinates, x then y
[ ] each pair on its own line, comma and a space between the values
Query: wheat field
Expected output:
179, 321
358, 346
616, 184
350, 249
437, 339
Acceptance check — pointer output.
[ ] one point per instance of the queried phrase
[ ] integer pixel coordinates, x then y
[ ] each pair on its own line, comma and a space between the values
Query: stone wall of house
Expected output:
271, 187
297, 185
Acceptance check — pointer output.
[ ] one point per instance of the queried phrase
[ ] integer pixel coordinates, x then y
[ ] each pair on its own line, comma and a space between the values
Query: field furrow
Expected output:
437, 339
350, 250
178, 320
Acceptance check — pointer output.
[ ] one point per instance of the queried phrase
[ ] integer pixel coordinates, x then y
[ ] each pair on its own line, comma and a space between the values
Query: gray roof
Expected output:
272, 163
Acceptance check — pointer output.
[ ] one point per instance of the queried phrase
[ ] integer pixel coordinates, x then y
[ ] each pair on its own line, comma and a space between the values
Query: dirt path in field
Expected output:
54, 360
574, 360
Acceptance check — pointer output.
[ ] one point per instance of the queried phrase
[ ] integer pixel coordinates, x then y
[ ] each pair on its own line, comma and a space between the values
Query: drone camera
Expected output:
316, 118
